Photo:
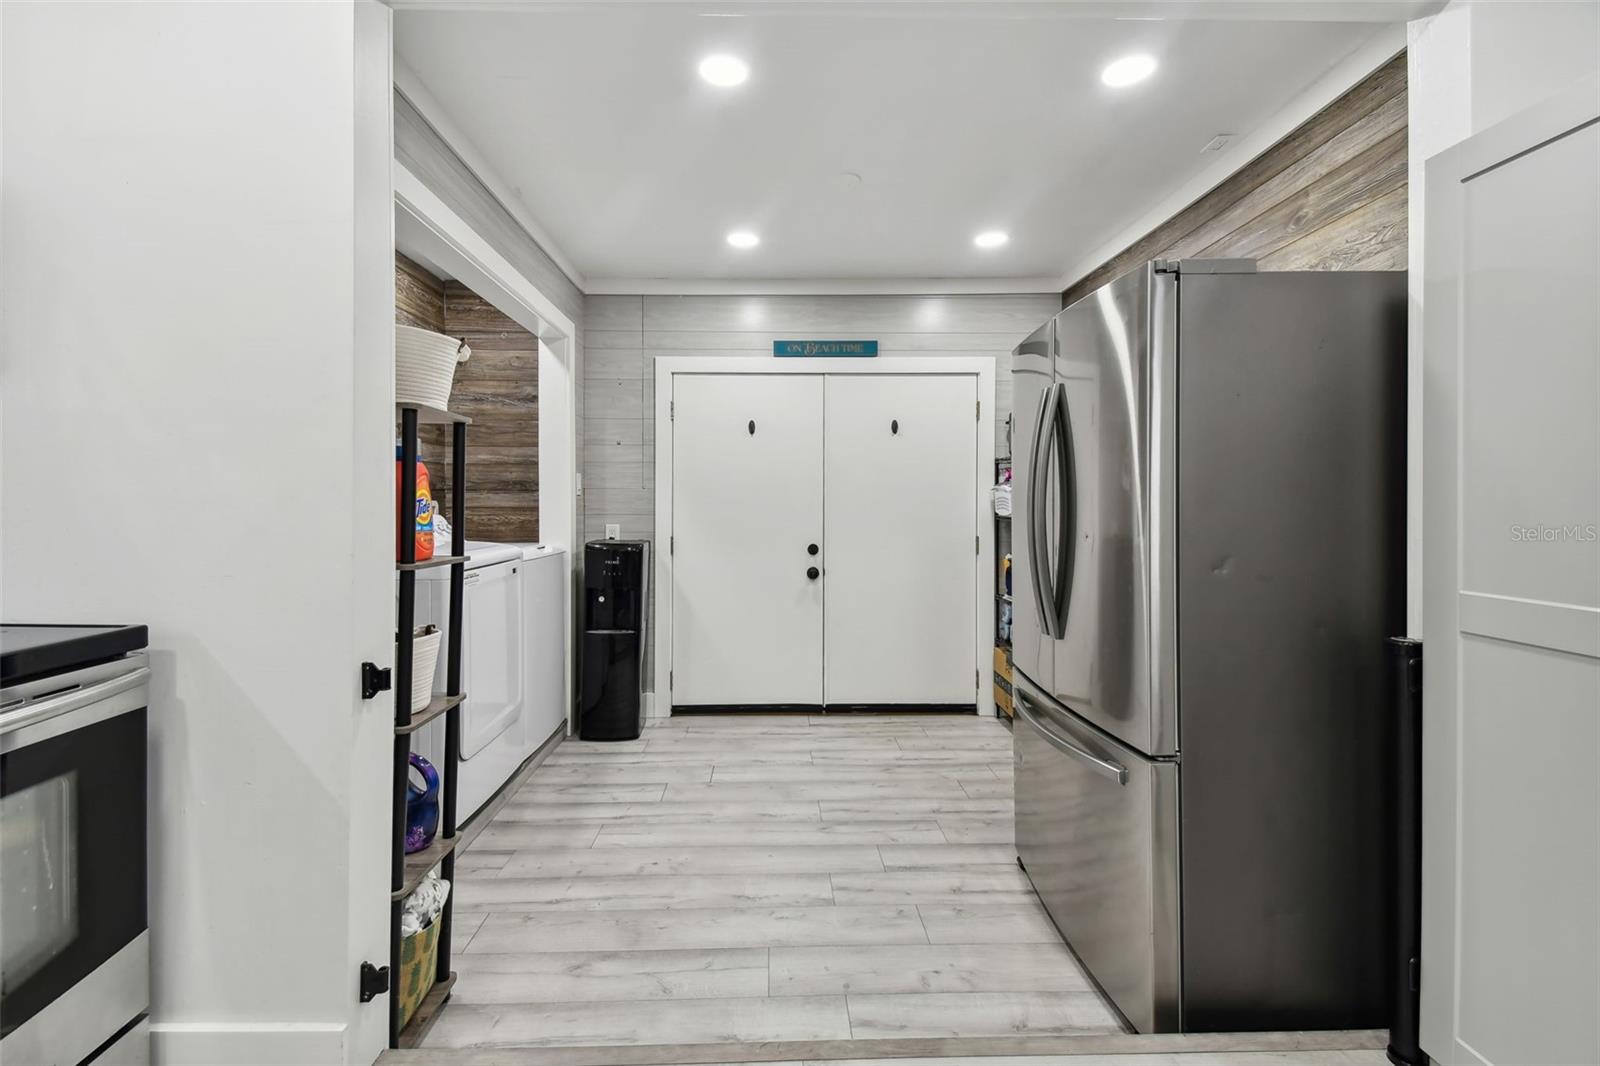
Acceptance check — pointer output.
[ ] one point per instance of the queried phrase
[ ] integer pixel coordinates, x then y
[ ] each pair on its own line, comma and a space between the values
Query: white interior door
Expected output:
900, 552
1511, 734
747, 501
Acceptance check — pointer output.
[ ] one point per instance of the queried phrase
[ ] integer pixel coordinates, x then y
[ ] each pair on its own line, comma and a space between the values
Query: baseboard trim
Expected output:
898, 1048
247, 1044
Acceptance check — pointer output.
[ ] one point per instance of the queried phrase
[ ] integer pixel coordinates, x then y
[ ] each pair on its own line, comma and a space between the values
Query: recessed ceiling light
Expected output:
1129, 70
724, 71
992, 238
743, 238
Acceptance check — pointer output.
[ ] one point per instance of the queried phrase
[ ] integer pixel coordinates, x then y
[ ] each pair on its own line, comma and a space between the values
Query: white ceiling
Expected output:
956, 121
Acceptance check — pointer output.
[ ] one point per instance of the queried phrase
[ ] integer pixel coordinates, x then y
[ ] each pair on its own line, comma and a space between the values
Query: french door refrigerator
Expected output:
1209, 530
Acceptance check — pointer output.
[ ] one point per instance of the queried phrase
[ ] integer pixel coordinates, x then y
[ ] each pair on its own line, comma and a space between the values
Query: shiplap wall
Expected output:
624, 334
418, 296
1329, 196
498, 388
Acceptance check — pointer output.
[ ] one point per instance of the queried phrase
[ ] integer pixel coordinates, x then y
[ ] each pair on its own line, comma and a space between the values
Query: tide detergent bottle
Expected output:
422, 523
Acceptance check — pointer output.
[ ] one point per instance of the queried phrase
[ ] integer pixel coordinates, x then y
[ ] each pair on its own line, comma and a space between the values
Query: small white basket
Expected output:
424, 659
425, 366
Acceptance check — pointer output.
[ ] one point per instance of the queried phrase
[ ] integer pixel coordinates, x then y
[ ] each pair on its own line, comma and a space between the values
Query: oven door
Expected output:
73, 951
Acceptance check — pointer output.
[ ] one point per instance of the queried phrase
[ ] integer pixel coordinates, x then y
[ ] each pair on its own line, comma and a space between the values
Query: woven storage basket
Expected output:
419, 954
425, 365
424, 660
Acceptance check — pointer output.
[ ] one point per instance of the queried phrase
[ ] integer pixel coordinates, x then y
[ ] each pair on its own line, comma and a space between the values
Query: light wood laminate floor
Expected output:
755, 879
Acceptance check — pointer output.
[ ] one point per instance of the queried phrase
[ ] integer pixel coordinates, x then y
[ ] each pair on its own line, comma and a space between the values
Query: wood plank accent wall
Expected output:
1329, 196
418, 296
498, 388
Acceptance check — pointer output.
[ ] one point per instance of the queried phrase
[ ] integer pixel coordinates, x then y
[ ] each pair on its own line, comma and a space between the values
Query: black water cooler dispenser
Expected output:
615, 574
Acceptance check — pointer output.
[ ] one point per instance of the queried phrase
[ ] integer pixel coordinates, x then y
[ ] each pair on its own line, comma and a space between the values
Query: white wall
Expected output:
195, 433
1472, 65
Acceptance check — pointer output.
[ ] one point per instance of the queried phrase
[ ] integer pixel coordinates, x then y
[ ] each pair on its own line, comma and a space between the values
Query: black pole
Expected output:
1405, 658
452, 728
406, 531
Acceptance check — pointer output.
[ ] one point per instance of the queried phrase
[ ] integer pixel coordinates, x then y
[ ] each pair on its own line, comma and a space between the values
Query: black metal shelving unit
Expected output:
408, 871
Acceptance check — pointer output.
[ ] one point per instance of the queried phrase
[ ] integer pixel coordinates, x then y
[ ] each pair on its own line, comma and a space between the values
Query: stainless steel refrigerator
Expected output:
1208, 552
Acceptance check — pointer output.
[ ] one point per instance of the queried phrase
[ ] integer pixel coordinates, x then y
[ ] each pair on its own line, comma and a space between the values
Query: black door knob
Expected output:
813, 573
811, 549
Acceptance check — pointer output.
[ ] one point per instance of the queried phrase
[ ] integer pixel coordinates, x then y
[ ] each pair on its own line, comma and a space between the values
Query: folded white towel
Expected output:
442, 537
423, 905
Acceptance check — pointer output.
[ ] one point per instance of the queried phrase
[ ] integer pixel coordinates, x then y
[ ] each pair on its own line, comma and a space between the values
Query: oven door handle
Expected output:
1116, 771
72, 700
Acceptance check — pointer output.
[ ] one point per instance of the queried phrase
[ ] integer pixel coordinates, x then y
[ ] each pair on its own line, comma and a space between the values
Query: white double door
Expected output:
824, 540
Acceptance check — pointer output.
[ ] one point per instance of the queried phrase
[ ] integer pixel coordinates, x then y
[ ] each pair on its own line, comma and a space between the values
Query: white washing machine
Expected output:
513, 592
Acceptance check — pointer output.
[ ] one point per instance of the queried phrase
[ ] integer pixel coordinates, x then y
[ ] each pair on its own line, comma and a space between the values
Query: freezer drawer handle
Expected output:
1116, 772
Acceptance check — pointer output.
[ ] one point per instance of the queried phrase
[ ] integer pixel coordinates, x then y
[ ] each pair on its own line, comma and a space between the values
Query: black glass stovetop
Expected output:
28, 652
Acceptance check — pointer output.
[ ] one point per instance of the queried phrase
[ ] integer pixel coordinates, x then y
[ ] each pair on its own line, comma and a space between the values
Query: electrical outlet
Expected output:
613, 531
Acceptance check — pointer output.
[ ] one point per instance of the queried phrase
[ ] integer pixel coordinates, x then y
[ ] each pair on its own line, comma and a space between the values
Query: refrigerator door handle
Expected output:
1105, 767
1067, 523
1038, 475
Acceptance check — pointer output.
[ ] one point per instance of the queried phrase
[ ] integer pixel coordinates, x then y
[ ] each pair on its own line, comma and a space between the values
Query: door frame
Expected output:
980, 367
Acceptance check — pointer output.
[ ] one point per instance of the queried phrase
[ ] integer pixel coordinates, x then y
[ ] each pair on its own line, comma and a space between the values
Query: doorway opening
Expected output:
542, 340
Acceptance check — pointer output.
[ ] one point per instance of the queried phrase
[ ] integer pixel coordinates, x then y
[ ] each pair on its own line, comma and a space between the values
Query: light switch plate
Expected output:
613, 531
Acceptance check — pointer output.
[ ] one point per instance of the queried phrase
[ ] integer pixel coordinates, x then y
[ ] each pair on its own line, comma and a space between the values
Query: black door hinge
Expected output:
374, 979
373, 681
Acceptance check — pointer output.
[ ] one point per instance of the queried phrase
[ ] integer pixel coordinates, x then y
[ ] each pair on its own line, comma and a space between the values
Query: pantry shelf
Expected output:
427, 1012
439, 705
1003, 603
418, 864
406, 872
433, 416
429, 564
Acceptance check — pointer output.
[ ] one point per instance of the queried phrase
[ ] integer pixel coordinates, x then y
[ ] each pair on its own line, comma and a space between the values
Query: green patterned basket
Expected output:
419, 954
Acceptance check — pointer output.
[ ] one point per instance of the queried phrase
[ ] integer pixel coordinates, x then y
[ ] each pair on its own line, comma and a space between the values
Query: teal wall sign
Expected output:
824, 349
